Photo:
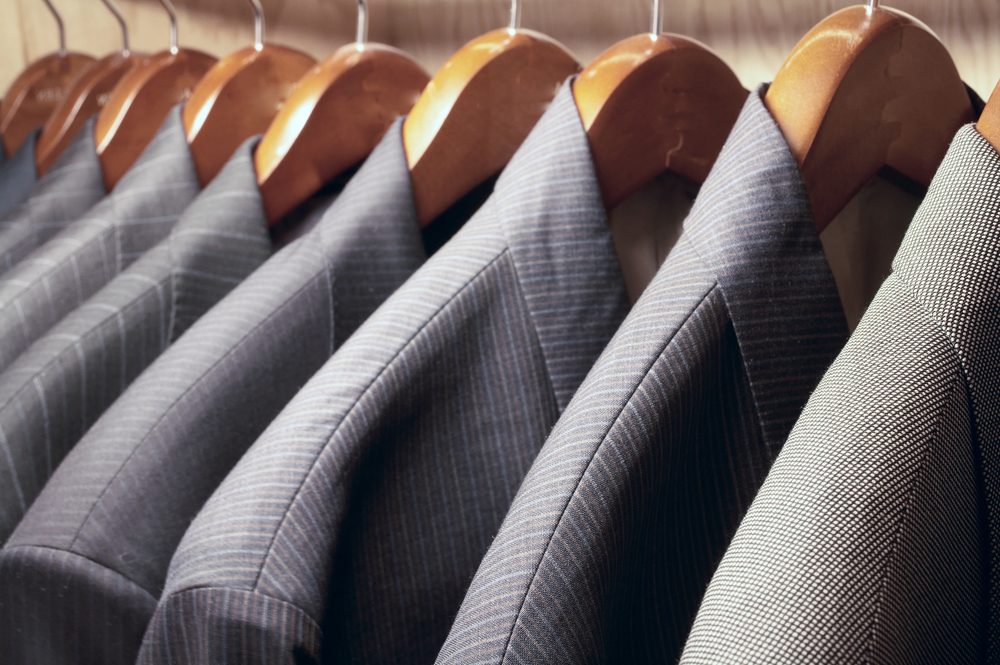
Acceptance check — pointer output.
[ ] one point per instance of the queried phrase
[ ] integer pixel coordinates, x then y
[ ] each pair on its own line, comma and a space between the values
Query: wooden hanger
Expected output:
239, 97
477, 110
989, 121
37, 90
656, 102
85, 98
142, 99
867, 88
334, 118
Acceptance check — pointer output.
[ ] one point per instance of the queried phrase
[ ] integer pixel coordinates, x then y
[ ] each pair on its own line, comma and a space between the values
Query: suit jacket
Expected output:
18, 174
73, 184
61, 274
84, 569
350, 529
59, 386
875, 536
617, 528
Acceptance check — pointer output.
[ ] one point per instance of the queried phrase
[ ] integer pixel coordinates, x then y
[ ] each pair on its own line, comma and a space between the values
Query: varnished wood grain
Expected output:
752, 36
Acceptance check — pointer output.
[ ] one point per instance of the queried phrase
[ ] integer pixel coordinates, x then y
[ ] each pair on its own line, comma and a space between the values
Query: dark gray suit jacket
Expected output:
63, 382
84, 569
60, 197
18, 174
623, 517
875, 537
351, 528
61, 274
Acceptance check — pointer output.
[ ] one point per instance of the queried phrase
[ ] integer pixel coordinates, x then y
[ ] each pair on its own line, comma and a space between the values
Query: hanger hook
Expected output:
116, 12
258, 24
657, 17
872, 6
515, 15
362, 37
168, 7
59, 24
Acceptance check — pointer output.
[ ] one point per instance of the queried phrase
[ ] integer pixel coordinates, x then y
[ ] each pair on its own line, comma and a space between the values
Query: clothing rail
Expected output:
753, 36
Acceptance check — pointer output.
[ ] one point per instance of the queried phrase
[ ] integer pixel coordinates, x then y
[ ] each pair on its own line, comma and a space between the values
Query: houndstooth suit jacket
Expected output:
350, 530
623, 517
875, 538
61, 274
84, 569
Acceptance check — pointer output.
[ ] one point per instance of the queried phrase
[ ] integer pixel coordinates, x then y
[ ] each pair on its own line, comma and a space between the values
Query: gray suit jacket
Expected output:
61, 274
110, 518
18, 174
61, 196
617, 528
60, 385
875, 536
353, 525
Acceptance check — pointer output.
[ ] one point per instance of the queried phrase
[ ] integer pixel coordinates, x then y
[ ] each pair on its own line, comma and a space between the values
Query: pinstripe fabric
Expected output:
874, 537
173, 436
61, 196
60, 275
59, 386
18, 174
618, 526
365, 507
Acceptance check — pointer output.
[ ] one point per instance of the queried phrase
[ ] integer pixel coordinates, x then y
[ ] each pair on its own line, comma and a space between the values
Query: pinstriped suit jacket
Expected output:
61, 274
617, 528
61, 196
874, 538
18, 174
59, 386
84, 568
353, 525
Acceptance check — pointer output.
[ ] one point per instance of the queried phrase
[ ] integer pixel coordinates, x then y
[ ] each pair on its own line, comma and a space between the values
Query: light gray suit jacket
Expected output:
61, 274
350, 530
18, 174
875, 537
60, 197
63, 382
110, 518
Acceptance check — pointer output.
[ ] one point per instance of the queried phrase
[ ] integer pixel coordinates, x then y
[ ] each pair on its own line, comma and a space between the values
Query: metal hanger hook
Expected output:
657, 17
258, 24
362, 36
515, 15
59, 24
872, 6
116, 12
168, 7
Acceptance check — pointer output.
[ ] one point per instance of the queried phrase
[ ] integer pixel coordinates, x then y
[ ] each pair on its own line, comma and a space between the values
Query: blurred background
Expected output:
753, 36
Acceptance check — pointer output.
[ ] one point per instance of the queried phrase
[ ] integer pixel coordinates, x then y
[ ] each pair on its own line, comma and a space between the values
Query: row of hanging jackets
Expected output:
741, 409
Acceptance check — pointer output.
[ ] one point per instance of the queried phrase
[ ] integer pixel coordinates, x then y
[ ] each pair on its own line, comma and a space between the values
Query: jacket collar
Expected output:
370, 235
219, 239
753, 227
548, 203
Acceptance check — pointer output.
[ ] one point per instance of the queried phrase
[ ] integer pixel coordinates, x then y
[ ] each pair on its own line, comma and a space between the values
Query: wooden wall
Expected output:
754, 36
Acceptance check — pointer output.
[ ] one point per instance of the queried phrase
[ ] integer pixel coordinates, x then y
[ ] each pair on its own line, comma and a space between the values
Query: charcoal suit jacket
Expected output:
62, 273
616, 531
350, 530
18, 174
875, 537
60, 385
82, 573
60, 197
